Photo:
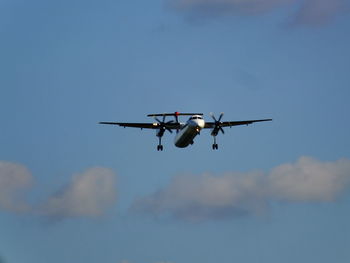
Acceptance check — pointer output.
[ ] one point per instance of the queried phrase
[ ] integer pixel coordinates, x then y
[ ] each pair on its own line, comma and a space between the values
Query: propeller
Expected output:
217, 124
162, 125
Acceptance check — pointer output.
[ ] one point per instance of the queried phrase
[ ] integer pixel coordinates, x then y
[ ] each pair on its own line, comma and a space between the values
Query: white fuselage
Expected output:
189, 131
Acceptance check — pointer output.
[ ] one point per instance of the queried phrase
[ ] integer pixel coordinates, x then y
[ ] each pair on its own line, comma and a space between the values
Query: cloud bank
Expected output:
89, 194
15, 179
207, 196
311, 12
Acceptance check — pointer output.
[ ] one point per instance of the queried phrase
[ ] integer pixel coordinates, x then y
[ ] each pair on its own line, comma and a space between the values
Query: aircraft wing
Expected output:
233, 123
155, 125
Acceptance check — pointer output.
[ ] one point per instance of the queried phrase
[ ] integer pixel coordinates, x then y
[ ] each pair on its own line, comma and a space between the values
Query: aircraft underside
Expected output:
185, 132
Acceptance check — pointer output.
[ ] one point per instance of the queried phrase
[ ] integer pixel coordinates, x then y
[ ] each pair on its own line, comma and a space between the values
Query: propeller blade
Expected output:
162, 125
217, 126
212, 115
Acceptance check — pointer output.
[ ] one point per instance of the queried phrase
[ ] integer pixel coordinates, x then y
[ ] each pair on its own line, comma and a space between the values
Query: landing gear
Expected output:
160, 146
215, 145
162, 128
217, 128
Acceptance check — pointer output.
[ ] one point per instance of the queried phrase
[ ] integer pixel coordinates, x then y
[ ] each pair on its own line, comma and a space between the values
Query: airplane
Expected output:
185, 132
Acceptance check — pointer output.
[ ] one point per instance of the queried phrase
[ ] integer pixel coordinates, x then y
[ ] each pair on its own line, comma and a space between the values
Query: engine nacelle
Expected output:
160, 132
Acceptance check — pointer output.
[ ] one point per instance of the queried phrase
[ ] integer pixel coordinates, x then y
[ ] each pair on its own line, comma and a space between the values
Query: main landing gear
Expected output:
160, 132
160, 146
216, 129
215, 145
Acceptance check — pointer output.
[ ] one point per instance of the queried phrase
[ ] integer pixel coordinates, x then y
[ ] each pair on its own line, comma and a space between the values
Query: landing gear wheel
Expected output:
160, 148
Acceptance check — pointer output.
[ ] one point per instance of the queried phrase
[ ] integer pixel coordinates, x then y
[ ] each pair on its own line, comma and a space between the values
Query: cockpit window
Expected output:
196, 118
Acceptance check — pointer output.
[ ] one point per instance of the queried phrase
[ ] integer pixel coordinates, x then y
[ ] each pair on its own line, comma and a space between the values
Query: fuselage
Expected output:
189, 131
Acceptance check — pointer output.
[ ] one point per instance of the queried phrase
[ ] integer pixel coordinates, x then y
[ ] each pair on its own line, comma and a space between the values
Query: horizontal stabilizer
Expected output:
173, 114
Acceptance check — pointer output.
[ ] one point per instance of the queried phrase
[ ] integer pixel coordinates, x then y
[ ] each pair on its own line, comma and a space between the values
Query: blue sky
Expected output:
72, 190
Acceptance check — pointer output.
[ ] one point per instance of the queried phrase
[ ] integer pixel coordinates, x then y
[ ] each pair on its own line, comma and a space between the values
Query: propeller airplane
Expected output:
185, 132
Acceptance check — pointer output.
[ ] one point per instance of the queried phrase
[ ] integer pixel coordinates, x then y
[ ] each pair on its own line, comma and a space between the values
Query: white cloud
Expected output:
200, 197
195, 197
308, 11
15, 179
309, 180
88, 194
